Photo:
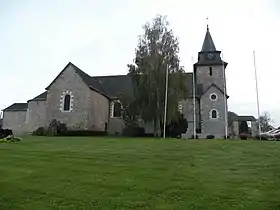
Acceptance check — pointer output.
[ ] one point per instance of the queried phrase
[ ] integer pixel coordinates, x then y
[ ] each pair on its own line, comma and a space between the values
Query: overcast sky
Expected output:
38, 38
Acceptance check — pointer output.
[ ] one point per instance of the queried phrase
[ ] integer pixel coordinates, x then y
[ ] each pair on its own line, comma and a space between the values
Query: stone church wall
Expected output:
37, 115
16, 121
98, 111
70, 81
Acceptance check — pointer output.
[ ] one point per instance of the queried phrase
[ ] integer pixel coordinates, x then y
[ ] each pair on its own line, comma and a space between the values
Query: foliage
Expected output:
243, 136
3, 141
133, 131
5, 132
41, 131
232, 116
210, 137
157, 50
176, 127
194, 137
265, 121
130, 112
83, 133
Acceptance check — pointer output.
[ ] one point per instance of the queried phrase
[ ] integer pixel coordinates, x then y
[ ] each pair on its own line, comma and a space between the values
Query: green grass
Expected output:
103, 173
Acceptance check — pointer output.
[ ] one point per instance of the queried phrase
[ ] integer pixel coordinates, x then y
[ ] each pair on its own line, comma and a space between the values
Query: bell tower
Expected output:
210, 83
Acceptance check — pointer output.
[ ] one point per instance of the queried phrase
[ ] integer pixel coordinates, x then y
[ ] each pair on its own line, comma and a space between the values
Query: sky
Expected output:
39, 38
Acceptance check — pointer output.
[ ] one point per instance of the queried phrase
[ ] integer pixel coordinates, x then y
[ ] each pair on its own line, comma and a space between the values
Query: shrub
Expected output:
228, 137
210, 137
133, 131
243, 136
83, 133
61, 128
5, 132
192, 137
3, 141
41, 131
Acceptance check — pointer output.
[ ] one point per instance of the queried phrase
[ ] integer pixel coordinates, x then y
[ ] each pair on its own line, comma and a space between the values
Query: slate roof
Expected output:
208, 43
110, 86
213, 85
17, 107
41, 97
246, 118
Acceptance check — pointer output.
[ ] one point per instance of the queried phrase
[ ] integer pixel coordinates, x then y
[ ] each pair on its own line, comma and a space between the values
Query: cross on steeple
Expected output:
208, 43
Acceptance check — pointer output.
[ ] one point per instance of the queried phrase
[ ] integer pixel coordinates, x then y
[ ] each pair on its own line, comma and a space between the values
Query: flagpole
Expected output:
165, 103
257, 91
225, 97
194, 103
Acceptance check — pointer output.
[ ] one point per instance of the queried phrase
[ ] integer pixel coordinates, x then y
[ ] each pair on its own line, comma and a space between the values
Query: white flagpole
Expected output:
194, 104
257, 91
165, 103
225, 98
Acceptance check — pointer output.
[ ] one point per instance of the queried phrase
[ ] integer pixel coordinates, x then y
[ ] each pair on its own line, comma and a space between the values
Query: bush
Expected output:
133, 131
61, 128
210, 137
3, 141
228, 137
192, 137
41, 131
5, 132
83, 133
243, 136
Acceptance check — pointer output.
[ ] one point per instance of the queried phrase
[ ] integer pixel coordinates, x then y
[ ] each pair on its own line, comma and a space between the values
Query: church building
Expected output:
91, 103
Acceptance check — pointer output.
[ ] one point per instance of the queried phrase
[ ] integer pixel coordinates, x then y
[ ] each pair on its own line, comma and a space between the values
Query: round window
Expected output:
213, 97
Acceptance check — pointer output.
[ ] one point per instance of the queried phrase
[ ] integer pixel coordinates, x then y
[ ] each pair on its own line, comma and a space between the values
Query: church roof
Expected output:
109, 86
41, 97
17, 107
208, 43
246, 118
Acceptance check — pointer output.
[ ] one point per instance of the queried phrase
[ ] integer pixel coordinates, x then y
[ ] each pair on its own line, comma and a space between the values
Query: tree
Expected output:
265, 121
232, 116
157, 50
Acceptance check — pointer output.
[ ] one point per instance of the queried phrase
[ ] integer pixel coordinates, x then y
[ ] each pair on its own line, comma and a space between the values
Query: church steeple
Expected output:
209, 55
208, 44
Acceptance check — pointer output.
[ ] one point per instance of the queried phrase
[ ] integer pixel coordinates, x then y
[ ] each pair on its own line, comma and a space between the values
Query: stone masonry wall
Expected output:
98, 111
16, 121
69, 80
37, 115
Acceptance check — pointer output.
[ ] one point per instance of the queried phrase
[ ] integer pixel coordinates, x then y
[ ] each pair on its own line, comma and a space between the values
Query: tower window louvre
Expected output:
210, 71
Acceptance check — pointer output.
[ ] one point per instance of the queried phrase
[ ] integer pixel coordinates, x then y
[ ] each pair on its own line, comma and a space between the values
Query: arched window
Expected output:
117, 112
66, 101
214, 114
66, 104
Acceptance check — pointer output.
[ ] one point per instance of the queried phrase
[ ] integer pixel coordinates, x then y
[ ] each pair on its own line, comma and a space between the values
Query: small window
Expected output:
213, 97
117, 109
210, 71
214, 114
66, 105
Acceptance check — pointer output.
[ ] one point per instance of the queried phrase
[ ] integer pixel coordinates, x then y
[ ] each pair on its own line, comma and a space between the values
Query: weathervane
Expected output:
207, 21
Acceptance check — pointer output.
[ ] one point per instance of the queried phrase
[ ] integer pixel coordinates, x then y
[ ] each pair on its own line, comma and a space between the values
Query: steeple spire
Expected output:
208, 44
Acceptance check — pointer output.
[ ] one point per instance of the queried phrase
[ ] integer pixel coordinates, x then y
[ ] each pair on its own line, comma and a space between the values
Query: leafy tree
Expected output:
232, 116
157, 50
130, 113
265, 121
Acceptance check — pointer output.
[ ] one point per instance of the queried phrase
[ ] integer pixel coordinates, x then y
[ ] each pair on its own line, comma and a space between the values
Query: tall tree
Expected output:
232, 116
157, 50
265, 121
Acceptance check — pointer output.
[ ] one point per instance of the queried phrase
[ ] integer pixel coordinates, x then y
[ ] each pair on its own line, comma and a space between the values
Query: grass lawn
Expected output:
106, 173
